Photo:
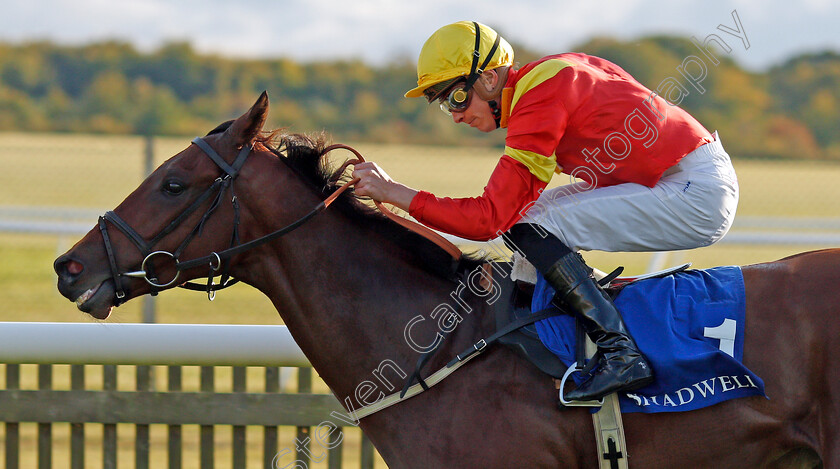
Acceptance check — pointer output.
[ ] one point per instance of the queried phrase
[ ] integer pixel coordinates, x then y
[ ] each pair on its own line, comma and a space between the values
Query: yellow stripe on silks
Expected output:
542, 167
537, 75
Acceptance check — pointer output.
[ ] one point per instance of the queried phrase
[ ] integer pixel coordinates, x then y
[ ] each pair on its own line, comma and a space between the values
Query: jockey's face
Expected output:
478, 115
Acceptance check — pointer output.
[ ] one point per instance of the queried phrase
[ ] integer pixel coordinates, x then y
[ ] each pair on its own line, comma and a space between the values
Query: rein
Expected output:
429, 234
219, 260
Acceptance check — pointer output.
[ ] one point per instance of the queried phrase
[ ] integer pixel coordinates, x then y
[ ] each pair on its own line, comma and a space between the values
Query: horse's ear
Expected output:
246, 128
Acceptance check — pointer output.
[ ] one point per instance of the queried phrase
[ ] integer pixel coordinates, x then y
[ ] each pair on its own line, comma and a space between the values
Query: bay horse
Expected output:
348, 281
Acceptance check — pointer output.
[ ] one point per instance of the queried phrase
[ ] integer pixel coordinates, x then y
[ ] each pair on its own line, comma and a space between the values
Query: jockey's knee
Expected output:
540, 248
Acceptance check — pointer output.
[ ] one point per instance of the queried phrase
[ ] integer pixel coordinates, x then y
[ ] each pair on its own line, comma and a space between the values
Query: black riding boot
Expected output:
622, 366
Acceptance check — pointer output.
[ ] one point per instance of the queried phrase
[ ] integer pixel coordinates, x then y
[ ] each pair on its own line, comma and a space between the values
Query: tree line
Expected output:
791, 110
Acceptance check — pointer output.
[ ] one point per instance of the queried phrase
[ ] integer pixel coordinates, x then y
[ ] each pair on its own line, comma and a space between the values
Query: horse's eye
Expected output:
173, 187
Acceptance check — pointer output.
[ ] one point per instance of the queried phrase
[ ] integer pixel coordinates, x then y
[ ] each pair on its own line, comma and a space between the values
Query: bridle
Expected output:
218, 261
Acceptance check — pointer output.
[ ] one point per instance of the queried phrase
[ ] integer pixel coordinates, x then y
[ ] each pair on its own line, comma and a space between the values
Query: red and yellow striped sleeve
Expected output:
510, 191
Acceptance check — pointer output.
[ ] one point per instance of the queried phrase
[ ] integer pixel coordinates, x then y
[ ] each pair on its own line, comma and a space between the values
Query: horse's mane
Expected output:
305, 155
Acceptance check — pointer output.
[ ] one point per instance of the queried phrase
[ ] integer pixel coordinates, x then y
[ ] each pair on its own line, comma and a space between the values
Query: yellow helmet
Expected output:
456, 50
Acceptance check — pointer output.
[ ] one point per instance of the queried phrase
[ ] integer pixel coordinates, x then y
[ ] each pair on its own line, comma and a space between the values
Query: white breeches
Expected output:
691, 206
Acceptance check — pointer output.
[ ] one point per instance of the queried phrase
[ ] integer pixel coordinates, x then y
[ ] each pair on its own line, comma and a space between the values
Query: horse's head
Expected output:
136, 248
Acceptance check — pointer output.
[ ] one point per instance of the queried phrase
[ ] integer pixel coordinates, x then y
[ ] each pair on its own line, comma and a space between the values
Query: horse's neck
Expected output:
347, 297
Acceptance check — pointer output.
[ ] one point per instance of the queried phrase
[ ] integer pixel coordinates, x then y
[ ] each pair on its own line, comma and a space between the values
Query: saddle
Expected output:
515, 303
516, 286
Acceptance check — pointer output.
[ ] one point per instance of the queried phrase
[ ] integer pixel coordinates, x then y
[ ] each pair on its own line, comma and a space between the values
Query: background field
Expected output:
97, 172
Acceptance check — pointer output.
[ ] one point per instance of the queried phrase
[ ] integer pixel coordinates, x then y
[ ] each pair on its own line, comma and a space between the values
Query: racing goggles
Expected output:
456, 98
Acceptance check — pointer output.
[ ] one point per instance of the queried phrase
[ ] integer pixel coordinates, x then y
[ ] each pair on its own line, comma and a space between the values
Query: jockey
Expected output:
650, 176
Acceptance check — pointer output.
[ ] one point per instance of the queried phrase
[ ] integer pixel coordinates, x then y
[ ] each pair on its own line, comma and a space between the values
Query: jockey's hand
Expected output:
375, 183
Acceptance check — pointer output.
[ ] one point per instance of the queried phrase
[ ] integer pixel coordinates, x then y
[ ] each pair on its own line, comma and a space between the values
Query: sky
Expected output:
377, 31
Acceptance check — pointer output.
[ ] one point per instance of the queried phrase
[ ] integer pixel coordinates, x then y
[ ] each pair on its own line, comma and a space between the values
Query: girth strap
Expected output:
479, 346
460, 360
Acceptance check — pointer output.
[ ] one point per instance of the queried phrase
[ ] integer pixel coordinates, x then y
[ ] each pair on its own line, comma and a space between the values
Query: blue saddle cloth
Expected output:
689, 325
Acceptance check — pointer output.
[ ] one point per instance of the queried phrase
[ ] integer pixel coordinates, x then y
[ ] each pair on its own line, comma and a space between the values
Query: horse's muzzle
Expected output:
92, 295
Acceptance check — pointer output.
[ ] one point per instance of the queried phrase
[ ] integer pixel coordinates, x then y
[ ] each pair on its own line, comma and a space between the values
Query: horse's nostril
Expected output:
68, 267
74, 268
